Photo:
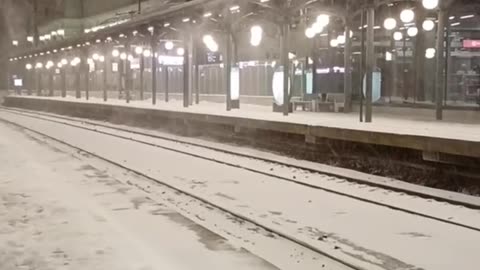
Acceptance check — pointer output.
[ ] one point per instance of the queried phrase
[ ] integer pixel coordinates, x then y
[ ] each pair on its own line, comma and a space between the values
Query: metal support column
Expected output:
86, 71
50, 81
186, 69
128, 73
191, 69
142, 69
286, 66
38, 81
76, 71
196, 74
439, 74
153, 49
370, 61
63, 80
347, 84
31, 82
447, 59
105, 74
120, 77
227, 59
362, 63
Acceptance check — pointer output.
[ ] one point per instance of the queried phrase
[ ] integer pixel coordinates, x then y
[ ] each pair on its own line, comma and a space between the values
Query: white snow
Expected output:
369, 235
57, 212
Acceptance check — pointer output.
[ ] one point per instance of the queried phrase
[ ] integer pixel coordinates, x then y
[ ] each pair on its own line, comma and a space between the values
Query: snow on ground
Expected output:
406, 124
373, 236
58, 213
437, 209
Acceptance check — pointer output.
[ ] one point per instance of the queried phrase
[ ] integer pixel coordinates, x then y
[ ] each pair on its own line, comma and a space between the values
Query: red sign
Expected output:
470, 43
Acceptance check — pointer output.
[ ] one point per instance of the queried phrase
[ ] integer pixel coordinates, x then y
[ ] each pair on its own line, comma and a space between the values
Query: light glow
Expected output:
407, 15
256, 35
390, 23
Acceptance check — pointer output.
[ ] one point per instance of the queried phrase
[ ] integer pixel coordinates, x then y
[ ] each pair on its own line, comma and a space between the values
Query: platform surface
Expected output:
411, 131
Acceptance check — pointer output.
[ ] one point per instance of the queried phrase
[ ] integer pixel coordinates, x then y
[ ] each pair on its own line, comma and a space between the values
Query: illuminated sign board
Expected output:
471, 44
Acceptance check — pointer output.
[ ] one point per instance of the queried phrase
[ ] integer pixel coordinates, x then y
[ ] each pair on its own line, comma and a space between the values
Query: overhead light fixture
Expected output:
256, 35
115, 53
207, 15
28, 66
412, 31
430, 4
467, 17
428, 25
309, 32
30, 39
317, 27
138, 50
334, 43
430, 53
147, 53
407, 15
210, 43
169, 45
323, 19
397, 36
389, 23
15, 42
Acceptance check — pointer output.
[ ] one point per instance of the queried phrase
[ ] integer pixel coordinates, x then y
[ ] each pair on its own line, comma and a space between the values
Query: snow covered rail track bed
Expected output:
339, 218
377, 190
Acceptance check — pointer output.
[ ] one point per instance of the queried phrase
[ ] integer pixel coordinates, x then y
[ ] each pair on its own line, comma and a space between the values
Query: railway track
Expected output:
111, 130
130, 135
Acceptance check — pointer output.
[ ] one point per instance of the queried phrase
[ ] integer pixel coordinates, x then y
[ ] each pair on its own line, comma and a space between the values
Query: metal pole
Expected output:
165, 71
195, 72
142, 69
186, 69
105, 74
30, 84
447, 59
50, 82
286, 67
347, 84
153, 46
404, 74
370, 61
77, 81
439, 74
362, 64
128, 73
63, 74
86, 70
120, 77
228, 69
394, 71
39, 82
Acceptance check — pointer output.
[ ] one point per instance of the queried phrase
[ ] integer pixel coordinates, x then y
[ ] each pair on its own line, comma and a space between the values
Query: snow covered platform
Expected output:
427, 138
